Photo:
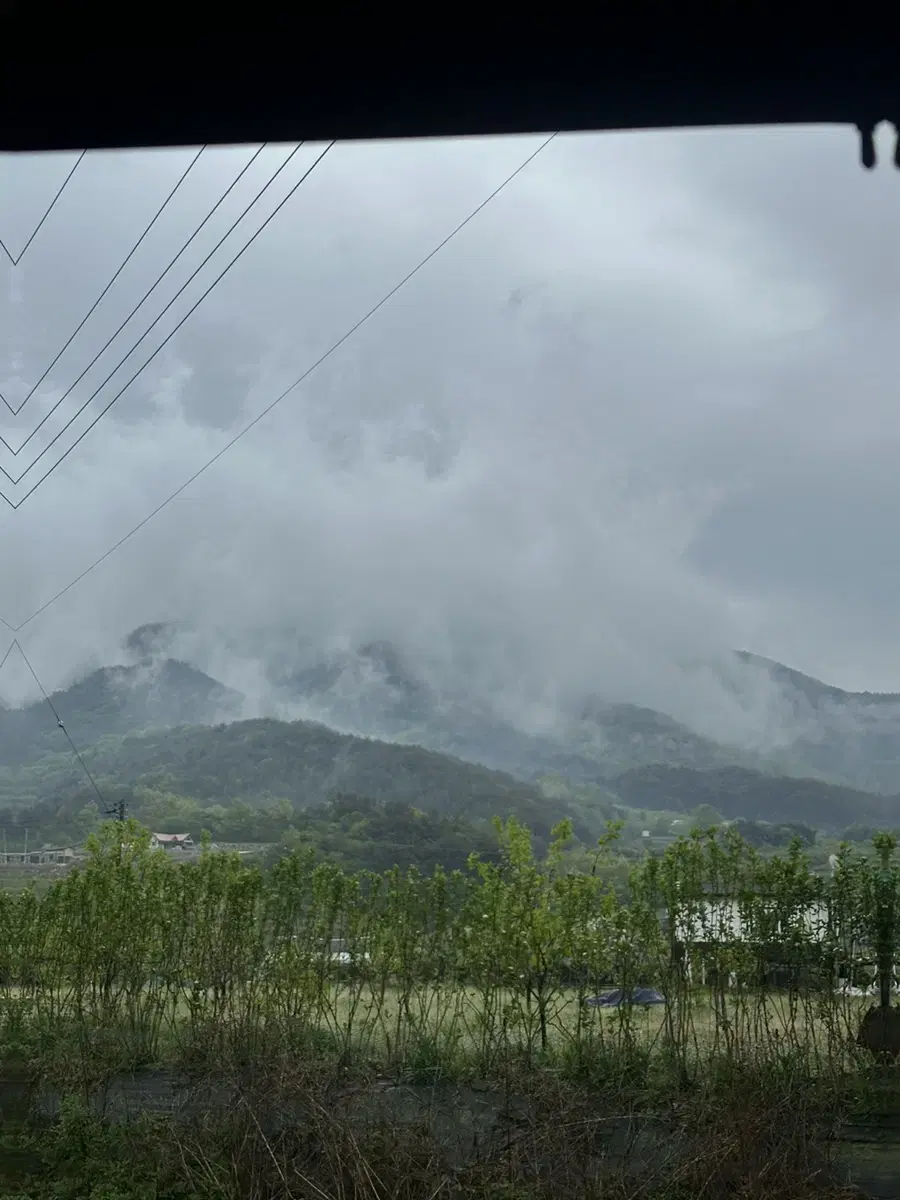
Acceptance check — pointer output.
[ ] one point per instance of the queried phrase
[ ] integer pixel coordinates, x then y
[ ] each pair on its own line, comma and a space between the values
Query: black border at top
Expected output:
130, 96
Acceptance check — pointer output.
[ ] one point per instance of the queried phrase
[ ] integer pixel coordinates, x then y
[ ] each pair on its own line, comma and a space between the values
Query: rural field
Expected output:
439, 1030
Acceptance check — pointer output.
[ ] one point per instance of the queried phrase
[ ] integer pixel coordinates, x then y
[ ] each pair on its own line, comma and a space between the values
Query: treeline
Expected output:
737, 792
356, 832
297, 763
512, 912
760, 833
359, 832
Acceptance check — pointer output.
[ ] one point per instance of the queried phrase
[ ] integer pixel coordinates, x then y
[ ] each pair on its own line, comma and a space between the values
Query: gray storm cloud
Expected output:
542, 469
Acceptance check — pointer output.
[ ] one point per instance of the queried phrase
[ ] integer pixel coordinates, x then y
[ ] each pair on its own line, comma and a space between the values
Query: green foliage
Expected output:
251, 780
84, 1158
760, 834
736, 792
358, 833
705, 816
136, 958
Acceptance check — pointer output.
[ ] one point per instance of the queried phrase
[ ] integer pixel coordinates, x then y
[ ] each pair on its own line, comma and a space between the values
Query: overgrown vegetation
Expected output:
453, 1005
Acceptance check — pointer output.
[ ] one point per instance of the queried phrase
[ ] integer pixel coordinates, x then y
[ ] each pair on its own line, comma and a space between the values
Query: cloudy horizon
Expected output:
637, 414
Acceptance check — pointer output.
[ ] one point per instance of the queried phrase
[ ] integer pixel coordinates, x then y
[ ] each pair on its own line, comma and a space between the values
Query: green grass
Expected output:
463, 1024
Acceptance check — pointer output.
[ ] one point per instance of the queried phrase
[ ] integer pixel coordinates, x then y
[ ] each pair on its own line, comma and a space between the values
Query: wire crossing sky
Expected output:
15, 259
84, 406
284, 394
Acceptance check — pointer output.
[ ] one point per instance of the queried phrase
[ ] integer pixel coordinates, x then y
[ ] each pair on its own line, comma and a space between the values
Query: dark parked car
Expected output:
641, 995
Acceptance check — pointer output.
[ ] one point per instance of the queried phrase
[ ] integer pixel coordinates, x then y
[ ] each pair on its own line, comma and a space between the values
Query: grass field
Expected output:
460, 1028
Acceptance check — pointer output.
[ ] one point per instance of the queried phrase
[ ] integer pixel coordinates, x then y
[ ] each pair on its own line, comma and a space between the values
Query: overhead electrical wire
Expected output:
16, 260
128, 354
131, 253
133, 312
278, 399
59, 721
17, 504
9, 651
165, 340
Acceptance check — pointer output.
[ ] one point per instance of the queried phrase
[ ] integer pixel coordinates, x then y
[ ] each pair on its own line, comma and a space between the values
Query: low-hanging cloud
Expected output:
520, 471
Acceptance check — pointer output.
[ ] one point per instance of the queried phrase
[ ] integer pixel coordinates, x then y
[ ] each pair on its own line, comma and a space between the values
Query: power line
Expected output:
145, 297
162, 344
59, 720
136, 308
15, 261
159, 212
117, 810
300, 379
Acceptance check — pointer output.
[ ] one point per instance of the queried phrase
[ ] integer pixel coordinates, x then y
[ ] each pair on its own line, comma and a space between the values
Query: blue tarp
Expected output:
641, 995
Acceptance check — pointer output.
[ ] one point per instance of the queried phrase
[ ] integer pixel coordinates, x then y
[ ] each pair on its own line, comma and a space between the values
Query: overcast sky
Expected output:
641, 410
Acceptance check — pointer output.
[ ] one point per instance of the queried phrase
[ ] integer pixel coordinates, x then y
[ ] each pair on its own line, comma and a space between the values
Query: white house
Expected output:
724, 920
727, 920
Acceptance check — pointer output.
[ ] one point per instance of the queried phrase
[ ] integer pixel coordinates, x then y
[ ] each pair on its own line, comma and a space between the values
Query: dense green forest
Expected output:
276, 782
161, 736
303, 763
738, 792
355, 832
284, 783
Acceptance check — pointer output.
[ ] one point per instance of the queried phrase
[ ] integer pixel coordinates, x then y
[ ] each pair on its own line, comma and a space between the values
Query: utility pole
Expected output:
880, 1029
117, 811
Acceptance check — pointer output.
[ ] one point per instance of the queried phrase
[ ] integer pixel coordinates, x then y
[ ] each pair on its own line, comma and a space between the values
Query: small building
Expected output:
171, 841
722, 919
777, 938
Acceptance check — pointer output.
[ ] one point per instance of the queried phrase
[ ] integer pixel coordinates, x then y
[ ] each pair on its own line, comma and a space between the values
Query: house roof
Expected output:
171, 837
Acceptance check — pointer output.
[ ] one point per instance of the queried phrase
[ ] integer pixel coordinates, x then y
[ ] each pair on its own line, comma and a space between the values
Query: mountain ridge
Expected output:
638, 753
810, 686
114, 700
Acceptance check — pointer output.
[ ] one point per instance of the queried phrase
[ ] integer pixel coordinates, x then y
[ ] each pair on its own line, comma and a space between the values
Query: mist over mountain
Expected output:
837, 761
793, 724
377, 690
152, 693
851, 737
